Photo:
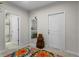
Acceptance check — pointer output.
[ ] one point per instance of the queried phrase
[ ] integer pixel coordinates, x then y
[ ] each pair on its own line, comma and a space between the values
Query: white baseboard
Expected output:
71, 52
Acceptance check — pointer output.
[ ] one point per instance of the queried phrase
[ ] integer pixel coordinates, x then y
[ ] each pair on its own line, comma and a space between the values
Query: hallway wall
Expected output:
71, 18
23, 26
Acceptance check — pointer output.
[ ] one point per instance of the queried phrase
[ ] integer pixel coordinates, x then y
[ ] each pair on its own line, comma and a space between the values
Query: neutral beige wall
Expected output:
24, 21
70, 9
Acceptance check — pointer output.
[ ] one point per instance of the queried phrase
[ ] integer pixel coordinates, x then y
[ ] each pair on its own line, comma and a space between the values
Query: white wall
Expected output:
78, 27
71, 12
2, 46
70, 9
24, 21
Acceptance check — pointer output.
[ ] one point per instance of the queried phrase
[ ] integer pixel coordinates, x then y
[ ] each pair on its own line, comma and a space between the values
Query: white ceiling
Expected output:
30, 5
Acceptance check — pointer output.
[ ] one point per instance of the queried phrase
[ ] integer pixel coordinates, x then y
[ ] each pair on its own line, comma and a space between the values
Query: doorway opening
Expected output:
11, 31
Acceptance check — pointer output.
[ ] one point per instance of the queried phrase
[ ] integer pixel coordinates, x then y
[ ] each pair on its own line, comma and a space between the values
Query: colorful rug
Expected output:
32, 52
42, 53
20, 53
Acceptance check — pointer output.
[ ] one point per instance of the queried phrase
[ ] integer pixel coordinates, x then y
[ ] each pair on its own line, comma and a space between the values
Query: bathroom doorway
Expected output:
12, 31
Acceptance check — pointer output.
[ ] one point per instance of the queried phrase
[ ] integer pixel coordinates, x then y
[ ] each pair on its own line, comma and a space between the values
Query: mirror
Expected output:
34, 28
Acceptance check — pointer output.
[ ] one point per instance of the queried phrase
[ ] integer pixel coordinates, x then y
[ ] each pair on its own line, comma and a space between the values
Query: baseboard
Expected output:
71, 52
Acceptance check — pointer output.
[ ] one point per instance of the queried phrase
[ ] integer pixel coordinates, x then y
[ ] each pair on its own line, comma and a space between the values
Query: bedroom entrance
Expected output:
57, 30
11, 31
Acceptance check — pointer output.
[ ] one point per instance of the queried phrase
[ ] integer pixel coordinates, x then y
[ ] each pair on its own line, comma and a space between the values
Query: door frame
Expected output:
54, 13
18, 22
19, 26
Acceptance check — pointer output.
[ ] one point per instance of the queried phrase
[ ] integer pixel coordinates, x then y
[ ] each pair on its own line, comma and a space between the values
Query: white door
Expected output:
57, 31
14, 26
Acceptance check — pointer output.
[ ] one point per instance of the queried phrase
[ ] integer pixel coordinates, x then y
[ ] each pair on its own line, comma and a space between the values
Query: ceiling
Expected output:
30, 5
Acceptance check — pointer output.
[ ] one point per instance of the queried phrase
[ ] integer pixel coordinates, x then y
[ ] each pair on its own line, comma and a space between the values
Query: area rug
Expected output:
31, 52
42, 53
20, 53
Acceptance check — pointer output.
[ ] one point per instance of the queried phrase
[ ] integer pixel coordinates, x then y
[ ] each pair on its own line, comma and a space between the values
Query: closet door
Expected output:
57, 31
14, 26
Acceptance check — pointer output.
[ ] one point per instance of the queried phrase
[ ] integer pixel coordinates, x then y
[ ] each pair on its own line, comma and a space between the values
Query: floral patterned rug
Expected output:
31, 52
42, 53
20, 53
